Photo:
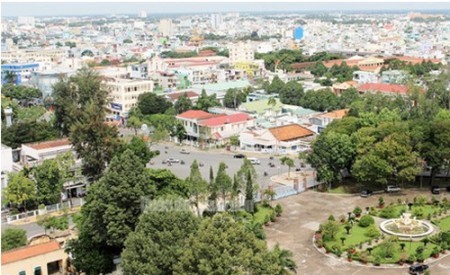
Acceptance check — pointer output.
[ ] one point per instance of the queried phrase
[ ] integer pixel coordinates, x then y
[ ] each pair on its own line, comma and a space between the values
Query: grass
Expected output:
444, 224
410, 249
261, 213
356, 236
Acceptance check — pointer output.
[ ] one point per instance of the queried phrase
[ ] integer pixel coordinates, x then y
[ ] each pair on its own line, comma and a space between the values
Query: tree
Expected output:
249, 204
233, 98
291, 93
13, 238
275, 86
134, 122
140, 149
285, 258
331, 152
183, 104
321, 100
272, 102
51, 222
197, 185
288, 162
87, 53
330, 230
270, 194
49, 182
167, 184
223, 246
159, 238
204, 102
20, 92
223, 183
150, 103
111, 212
234, 141
178, 131
20, 190
10, 77
26, 132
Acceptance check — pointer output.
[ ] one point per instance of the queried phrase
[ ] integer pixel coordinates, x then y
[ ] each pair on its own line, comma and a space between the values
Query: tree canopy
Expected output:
150, 104
13, 238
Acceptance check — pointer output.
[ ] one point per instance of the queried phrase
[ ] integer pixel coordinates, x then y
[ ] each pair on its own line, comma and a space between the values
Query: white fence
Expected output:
8, 219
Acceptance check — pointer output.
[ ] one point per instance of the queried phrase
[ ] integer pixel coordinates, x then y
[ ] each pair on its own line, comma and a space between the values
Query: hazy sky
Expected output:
86, 8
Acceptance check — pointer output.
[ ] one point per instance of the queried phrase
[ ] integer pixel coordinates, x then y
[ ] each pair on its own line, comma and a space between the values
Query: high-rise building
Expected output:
298, 33
142, 14
216, 21
166, 27
241, 52
25, 20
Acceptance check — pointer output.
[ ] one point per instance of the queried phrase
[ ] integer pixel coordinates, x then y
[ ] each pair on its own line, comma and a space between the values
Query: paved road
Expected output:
301, 217
213, 159
32, 229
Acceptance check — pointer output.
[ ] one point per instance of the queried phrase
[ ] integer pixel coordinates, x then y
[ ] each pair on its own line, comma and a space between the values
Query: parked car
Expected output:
254, 161
392, 189
366, 193
239, 156
417, 269
172, 160
184, 151
435, 190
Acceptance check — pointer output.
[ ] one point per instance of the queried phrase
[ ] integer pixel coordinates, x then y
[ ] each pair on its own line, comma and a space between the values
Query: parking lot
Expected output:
304, 212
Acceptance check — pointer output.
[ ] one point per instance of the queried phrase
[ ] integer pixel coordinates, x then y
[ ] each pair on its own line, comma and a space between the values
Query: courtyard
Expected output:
301, 218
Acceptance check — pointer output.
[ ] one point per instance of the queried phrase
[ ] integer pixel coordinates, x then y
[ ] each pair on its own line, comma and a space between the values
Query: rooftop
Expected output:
290, 132
198, 114
223, 86
384, 87
26, 252
335, 114
240, 117
175, 96
260, 106
49, 144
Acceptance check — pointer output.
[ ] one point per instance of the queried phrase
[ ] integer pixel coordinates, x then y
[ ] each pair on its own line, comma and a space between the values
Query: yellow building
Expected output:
41, 259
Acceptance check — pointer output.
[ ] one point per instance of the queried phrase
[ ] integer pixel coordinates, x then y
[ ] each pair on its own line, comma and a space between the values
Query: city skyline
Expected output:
11, 9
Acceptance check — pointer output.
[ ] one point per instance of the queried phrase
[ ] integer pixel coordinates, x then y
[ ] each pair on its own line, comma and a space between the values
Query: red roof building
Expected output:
388, 89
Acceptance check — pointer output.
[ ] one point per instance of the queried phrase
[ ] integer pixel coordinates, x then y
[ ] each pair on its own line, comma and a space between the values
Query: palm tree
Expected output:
285, 259
289, 163
10, 77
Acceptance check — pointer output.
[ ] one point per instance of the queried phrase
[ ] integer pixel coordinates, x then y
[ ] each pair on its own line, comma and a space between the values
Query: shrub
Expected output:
421, 200
389, 213
436, 251
342, 218
381, 202
331, 218
337, 249
364, 257
373, 232
273, 217
418, 212
357, 211
366, 220
411, 258
377, 260
403, 257
420, 249
266, 219
278, 209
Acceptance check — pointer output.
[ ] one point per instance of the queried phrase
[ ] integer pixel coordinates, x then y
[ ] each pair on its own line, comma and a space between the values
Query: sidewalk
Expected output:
59, 213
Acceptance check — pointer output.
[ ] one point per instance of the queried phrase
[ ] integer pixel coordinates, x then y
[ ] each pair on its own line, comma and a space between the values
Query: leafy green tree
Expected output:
348, 96
49, 182
249, 204
234, 141
285, 259
183, 104
178, 131
204, 102
318, 69
140, 148
135, 123
13, 238
223, 182
288, 162
150, 103
223, 246
275, 86
159, 239
27, 132
321, 100
53, 223
20, 190
167, 183
197, 186
330, 229
20, 92
233, 98
331, 152
291, 93
111, 212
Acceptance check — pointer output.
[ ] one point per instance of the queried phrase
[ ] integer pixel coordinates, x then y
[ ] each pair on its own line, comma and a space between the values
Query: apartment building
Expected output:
22, 72
34, 55
124, 94
241, 52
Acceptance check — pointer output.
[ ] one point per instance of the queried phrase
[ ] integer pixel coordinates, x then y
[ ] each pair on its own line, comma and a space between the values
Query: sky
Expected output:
88, 8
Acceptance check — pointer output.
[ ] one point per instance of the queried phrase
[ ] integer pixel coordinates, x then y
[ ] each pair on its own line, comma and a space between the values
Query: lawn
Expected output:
410, 249
261, 213
444, 224
356, 236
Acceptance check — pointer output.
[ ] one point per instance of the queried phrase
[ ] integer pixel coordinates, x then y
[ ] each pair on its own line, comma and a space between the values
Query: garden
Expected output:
356, 235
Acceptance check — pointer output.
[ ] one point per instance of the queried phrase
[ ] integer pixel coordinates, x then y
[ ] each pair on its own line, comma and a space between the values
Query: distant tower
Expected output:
142, 14
8, 114
298, 33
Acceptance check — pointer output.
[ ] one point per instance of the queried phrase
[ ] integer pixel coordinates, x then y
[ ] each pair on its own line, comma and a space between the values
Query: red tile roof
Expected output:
383, 88
22, 253
216, 121
175, 96
197, 114
290, 132
415, 60
49, 144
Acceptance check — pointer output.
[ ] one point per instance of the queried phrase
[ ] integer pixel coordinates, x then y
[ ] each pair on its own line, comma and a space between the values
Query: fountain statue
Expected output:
407, 227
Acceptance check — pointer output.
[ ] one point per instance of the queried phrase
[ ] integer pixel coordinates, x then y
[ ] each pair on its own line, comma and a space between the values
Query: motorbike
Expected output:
200, 164
182, 162
265, 174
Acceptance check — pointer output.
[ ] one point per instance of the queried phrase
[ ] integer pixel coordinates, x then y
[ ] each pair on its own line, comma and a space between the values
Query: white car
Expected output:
184, 151
254, 161
172, 160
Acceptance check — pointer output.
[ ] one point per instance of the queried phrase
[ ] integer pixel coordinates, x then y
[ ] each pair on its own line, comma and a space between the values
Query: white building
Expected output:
26, 20
365, 77
142, 14
216, 21
241, 52
166, 27
7, 165
124, 93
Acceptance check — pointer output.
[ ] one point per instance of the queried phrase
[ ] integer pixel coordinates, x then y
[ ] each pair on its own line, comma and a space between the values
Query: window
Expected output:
22, 273
37, 271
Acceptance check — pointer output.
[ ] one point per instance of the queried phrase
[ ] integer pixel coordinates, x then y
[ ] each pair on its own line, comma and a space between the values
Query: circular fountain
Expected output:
407, 227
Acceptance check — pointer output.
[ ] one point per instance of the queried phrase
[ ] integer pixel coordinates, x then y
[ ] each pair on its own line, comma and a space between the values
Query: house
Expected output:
173, 97
394, 77
214, 128
261, 108
365, 77
384, 88
45, 258
338, 88
290, 138
322, 120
